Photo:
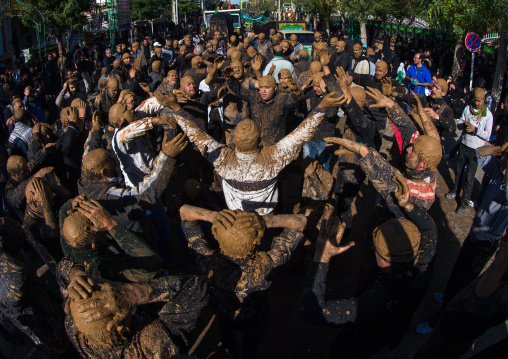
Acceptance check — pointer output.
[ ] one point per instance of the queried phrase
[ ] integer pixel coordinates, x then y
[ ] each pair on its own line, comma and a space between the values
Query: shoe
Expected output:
450, 195
424, 328
438, 297
472, 203
461, 210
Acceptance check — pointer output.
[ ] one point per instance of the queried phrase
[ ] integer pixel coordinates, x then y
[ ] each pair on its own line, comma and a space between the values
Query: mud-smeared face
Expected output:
237, 67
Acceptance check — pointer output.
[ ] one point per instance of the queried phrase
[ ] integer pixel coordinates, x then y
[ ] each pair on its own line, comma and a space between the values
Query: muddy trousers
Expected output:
467, 156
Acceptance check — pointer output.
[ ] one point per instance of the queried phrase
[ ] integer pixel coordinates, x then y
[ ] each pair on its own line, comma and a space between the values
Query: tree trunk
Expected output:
58, 36
363, 30
459, 48
497, 86
327, 19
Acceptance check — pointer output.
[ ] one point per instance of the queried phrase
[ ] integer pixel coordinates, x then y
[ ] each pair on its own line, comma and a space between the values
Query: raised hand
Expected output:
257, 63
387, 87
169, 101
351, 146
402, 192
181, 96
218, 62
98, 215
329, 239
332, 102
272, 69
324, 58
381, 100
174, 147
228, 72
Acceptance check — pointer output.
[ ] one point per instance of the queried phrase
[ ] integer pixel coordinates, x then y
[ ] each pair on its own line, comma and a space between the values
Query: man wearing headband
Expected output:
381, 313
476, 125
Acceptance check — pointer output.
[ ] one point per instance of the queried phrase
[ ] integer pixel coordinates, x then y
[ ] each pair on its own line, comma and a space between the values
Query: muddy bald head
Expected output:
77, 231
251, 51
65, 116
236, 55
186, 80
118, 115
428, 150
334, 41
382, 66
262, 36
303, 54
397, 241
98, 164
156, 66
293, 37
17, 168
267, 81
316, 79
443, 85
315, 67
284, 74
41, 130
33, 195
359, 95
246, 136
113, 87
196, 62
117, 64
240, 241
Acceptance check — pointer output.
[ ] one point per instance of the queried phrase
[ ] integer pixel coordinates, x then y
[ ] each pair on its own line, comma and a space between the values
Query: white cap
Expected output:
156, 44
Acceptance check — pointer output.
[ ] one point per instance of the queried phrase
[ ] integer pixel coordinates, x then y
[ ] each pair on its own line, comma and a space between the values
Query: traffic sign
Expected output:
473, 42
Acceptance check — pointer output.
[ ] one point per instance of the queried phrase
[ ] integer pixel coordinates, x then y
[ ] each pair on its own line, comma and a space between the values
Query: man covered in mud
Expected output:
250, 171
381, 313
40, 223
422, 155
128, 205
107, 98
240, 273
87, 234
269, 108
435, 105
108, 319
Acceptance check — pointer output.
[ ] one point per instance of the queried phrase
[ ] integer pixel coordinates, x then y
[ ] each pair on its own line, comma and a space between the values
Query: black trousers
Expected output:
467, 156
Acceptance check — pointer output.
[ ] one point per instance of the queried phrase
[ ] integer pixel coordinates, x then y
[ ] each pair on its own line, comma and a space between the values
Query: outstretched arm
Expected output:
288, 148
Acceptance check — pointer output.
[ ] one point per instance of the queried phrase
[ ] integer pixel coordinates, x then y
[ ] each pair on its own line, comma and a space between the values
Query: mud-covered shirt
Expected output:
239, 286
161, 338
384, 310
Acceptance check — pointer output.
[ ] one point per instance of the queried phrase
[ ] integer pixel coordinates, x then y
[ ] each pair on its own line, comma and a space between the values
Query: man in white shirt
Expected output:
279, 63
476, 122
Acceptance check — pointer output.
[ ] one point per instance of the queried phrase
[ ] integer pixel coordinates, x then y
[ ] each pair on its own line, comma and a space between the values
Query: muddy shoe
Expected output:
461, 210
450, 195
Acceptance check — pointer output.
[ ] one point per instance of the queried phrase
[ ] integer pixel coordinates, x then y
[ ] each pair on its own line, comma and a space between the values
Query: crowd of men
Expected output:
242, 153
